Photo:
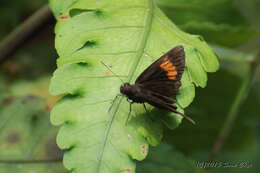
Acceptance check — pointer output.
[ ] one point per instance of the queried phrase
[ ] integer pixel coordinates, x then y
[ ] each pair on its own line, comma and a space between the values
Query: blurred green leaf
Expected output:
35, 60
3, 86
27, 138
39, 88
219, 21
23, 87
165, 159
250, 9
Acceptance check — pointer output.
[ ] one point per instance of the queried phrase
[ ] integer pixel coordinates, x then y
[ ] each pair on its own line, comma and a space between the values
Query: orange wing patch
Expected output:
169, 68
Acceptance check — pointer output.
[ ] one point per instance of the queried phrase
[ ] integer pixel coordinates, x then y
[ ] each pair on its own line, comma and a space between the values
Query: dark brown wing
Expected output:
163, 76
161, 101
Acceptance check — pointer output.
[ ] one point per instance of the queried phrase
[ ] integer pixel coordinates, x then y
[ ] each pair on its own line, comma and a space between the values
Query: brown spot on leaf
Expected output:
64, 17
129, 136
28, 98
111, 64
12, 68
7, 101
128, 170
144, 148
52, 150
13, 137
48, 107
107, 73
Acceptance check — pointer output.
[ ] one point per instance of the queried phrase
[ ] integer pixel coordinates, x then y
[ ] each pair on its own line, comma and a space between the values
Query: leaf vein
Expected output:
147, 30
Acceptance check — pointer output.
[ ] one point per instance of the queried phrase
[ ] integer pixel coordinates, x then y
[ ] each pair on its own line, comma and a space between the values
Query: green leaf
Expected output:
27, 137
38, 87
222, 34
166, 159
3, 86
127, 36
219, 21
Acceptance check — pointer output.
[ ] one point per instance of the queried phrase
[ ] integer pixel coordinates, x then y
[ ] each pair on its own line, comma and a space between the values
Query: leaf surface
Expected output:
127, 36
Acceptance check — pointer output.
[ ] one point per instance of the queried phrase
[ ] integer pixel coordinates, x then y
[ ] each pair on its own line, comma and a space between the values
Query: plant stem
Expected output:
233, 113
24, 31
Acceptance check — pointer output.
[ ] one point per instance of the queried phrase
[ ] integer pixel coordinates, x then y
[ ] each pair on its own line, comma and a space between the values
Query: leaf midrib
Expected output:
147, 29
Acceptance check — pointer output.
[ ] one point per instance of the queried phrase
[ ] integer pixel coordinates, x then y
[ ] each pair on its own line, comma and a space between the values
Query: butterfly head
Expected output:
126, 89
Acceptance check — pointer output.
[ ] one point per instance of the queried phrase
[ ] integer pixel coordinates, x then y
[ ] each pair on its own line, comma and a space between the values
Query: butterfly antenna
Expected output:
112, 71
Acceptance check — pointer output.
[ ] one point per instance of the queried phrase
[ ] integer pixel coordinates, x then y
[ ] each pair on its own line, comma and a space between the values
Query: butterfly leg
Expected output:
129, 114
145, 108
113, 102
152, 119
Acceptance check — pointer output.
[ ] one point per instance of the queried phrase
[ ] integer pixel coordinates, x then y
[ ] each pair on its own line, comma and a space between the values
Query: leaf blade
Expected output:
89, 85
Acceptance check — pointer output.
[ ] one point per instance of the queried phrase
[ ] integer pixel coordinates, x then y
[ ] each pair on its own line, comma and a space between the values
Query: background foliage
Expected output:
230, 26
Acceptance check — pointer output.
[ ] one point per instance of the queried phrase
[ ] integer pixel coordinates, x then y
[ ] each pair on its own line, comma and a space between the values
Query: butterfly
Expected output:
158, 83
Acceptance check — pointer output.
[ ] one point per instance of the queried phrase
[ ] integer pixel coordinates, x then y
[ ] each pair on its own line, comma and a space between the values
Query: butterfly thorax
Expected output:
132, 92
